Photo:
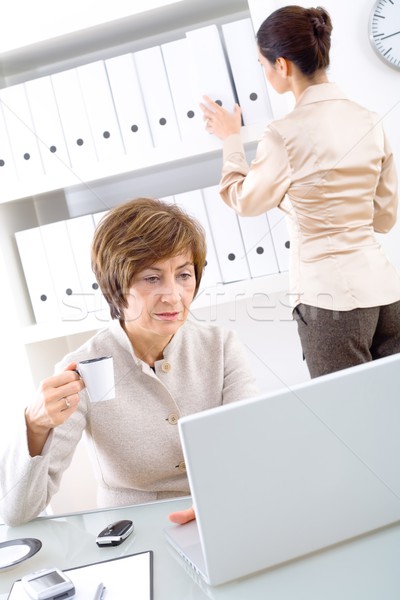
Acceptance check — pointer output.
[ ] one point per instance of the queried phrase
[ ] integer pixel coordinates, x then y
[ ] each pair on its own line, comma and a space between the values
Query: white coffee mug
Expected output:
98, 376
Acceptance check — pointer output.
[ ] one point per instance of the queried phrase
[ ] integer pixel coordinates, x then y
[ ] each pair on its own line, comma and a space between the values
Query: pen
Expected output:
99, 592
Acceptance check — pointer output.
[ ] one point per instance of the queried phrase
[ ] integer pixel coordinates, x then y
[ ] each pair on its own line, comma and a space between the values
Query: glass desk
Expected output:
367, 568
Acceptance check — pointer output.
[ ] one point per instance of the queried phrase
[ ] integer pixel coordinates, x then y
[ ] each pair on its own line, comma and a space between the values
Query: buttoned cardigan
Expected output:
133, 439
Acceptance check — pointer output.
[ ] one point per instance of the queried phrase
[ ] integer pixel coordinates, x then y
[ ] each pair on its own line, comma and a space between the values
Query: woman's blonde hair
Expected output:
133, 236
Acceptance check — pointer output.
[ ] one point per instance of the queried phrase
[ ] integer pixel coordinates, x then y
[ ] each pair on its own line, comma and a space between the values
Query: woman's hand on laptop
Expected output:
182, 516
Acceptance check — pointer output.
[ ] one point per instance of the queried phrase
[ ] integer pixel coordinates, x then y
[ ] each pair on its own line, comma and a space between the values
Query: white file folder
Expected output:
128, 102
193, 203
185, 94
47, 125
157, 96
258, 245
8, 172
74, 119
100, 109
64, 272
21, 133
209, 66
37, 275
247, 72
80, 231
227, 237
280, 237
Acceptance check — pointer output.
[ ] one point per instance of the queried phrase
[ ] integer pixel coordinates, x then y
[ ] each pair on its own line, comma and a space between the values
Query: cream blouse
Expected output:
328, 166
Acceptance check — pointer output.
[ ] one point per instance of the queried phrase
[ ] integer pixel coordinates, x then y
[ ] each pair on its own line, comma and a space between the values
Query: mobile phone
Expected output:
48, 584
115, 533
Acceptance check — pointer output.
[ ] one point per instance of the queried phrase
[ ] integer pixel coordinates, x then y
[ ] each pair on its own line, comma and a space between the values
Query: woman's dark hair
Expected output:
301, 35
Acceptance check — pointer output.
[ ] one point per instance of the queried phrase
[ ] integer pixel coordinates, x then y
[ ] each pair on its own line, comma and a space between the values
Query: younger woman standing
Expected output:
328, 166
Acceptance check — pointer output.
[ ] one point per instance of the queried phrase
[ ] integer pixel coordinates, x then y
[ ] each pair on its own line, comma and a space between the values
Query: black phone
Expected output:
115, 533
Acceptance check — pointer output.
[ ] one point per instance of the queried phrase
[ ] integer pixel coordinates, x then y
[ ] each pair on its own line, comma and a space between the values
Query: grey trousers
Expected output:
334, 340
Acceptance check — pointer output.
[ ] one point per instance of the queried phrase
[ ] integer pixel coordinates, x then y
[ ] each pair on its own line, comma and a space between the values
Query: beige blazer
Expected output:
328, 166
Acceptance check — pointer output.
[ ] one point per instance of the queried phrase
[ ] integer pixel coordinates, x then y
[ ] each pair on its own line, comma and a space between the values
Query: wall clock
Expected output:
384, 31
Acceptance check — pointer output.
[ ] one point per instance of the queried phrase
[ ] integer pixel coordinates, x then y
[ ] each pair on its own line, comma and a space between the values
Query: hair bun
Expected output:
301, 35
318, 18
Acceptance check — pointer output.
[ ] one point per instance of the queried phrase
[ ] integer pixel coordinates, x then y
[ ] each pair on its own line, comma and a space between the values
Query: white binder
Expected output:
210, 66
128, 102
157, 96
80, 231
21, 133
47, 125
193, 203
280, 237
227, 237
100, 109
37, 275
247, 72
64, 272
74, 119
8, 172
183, 88
258, 245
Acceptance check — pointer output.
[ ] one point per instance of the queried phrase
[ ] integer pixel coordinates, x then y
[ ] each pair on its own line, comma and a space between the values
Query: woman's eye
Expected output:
151, 279
185, 276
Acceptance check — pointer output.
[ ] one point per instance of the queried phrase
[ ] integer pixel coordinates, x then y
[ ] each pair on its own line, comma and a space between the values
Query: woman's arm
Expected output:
39, 448
239, 380
386, 196
249, 189
263, 184
57, 399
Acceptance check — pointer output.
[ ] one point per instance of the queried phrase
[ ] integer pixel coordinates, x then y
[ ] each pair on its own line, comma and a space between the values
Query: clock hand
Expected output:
390, 35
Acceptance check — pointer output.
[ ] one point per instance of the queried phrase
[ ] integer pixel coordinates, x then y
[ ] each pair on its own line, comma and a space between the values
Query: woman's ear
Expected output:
282, 67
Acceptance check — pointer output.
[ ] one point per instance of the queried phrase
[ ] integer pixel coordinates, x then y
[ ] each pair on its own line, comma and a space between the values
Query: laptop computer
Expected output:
287, 473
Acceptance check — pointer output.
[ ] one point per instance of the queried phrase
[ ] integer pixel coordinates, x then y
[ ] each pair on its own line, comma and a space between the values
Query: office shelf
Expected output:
154, 172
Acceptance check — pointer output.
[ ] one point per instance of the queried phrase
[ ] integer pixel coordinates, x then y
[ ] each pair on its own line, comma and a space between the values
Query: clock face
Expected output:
384, 31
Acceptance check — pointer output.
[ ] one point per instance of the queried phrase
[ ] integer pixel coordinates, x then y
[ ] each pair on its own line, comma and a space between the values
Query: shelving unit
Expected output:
135, 32
157, 172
